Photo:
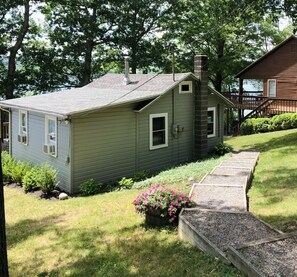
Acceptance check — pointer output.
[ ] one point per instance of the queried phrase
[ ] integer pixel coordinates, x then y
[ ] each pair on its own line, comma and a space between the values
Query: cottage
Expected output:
113, 127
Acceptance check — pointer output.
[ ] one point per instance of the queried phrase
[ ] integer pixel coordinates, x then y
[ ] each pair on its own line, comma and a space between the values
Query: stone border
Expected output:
243, 264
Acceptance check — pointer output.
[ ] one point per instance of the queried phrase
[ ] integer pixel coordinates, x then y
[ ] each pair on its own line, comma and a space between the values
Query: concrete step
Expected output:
225, 180
220, 197
232, 171
238, 164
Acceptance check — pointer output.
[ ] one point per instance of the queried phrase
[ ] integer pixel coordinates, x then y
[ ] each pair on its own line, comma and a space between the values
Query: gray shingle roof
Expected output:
106, 91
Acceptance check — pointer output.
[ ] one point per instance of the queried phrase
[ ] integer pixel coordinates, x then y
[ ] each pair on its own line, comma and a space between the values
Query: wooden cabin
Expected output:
278, 71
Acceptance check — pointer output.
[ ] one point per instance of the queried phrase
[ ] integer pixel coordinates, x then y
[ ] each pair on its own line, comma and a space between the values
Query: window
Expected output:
158, 130
23, 127
185, 87
271, 87
50, 146
211, 122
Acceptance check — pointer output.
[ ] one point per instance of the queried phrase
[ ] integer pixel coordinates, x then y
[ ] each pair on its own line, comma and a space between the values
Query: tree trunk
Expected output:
86, 79
13, 53
219, 74
3, 248
87, 73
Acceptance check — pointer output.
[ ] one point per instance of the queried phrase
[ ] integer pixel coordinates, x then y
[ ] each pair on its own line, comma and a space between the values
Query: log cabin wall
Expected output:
280, 64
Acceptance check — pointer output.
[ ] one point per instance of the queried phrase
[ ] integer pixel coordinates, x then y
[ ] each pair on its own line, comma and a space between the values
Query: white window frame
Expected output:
21, 130
214, 110
152, 116
268, 87
47, 140
189, 83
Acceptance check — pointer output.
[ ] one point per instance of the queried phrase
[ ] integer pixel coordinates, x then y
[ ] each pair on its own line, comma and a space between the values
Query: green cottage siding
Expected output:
218, 104
33, 152
103, 145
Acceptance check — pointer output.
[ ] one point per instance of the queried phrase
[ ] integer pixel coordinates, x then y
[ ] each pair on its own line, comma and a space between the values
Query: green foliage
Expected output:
222, 149
263, 125
30, 180
19, 170
181, 174
47, 178
91, 187
140, 176
8, 165
126, 183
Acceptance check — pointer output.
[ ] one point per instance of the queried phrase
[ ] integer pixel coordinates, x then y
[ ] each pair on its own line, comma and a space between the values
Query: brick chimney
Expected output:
201, 104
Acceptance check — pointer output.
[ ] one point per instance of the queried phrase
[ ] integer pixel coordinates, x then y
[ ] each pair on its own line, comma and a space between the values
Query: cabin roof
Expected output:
104, 92
265, 56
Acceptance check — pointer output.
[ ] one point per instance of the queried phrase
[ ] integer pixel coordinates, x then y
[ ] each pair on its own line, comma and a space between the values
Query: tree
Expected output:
139, 28
225, 30
14, 27
76, 28
290, 8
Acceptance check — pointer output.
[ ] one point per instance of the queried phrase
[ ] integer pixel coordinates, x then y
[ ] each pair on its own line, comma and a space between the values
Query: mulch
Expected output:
53, 196
228, 229
277, 258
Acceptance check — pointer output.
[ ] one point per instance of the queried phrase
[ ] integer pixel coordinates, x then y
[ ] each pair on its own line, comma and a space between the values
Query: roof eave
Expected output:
265, 56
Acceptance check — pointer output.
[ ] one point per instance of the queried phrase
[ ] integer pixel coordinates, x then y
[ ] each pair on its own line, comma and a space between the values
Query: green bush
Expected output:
222, 149
140, 176
8, 164
47, 179
30, 180
126, 183
262, 125
19, 170
91, 187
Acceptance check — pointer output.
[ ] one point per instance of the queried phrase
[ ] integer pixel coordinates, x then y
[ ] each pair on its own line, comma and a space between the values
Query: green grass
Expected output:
273, 196
100, 236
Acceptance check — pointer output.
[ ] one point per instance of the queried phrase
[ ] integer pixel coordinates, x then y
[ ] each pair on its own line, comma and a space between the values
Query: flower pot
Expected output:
153, 218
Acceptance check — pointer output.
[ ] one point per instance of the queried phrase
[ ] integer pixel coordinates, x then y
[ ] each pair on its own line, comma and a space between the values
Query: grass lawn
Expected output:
273, 196
101, 236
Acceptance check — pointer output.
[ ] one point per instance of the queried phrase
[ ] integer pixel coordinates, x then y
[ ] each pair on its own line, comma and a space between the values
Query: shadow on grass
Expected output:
26, 228
144, 252
275, 143
284, 223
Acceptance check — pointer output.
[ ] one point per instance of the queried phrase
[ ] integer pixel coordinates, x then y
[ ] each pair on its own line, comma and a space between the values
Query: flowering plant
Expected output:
163, 200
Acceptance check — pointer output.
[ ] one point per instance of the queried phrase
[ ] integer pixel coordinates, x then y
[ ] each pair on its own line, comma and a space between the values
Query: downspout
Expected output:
136, 142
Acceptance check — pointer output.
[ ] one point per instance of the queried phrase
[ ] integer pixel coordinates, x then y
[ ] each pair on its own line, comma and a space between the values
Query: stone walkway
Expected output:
221, 225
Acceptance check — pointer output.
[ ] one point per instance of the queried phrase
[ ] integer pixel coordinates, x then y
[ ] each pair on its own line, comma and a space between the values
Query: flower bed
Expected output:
161, 205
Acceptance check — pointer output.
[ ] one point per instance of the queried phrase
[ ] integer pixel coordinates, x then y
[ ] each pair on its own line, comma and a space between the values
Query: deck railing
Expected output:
276, 105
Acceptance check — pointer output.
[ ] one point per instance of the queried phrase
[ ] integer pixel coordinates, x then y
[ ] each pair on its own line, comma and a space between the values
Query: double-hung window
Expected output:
211, 122
23, 127
50, 146
158, 130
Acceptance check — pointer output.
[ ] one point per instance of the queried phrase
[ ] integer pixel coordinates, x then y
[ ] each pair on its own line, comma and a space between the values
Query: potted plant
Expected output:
161, 205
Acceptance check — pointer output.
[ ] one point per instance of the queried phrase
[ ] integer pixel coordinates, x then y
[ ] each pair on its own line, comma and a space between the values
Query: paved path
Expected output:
225, 187
222, 226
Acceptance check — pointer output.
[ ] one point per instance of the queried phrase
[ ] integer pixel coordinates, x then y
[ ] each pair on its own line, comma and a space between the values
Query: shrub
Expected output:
165, 200
91, 187
126, 183
222, 149
19, 170
262, 125
47, 179
140, 176
8, 164
30, 180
